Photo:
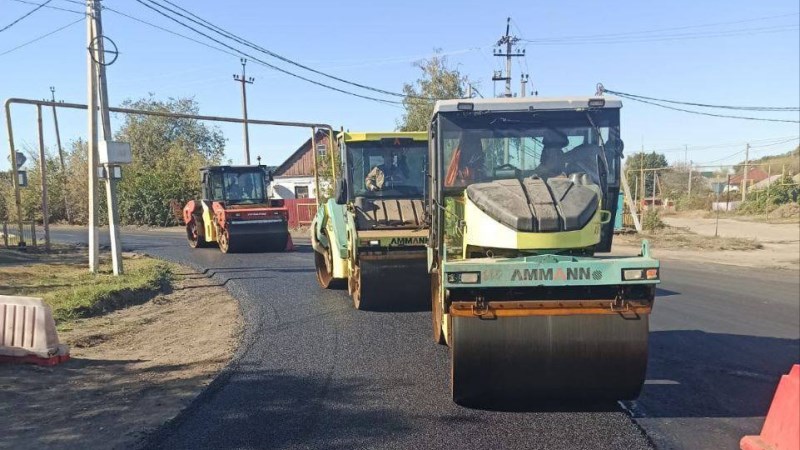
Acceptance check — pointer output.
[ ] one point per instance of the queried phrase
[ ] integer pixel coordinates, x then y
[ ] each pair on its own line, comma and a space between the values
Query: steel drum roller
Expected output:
599, 357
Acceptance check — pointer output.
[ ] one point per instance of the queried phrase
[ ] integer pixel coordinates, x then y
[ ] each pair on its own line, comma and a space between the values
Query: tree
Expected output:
167, 156
438, 81
641, 160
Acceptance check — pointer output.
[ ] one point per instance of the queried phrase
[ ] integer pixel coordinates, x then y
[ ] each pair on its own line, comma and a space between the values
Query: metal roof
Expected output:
525, 103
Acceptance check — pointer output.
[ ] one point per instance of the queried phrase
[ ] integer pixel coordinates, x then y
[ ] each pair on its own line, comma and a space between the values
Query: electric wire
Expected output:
703, 113
221, 31
650, 34
262, 62
41, 37
38, 7
706, 105
28, 2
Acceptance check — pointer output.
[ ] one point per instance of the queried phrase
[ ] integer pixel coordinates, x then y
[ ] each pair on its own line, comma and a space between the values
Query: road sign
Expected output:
20, 159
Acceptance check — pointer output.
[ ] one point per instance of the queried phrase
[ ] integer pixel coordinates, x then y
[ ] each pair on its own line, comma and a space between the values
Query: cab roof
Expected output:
233, 168
377, 136
525, 103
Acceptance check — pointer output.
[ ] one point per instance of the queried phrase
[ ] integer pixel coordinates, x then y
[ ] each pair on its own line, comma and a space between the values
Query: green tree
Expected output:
438, 81
641, 160
167, 155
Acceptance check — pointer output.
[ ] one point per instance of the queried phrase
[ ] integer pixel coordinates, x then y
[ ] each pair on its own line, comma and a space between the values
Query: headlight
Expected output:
632, 274
464, 277
639, 274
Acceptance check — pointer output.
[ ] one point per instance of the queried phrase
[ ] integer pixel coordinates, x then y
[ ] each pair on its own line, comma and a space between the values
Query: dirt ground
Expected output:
131, 370
780, 242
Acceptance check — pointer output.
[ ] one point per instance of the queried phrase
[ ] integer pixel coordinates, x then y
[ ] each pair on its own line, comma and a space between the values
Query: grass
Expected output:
682, 238
63, 281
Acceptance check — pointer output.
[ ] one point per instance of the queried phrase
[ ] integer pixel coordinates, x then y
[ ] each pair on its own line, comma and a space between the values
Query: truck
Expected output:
521, 198
371, 235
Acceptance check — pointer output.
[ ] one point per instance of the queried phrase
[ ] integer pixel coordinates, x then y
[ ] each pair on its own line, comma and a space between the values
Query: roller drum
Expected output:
394, 284
256, 236
523, 359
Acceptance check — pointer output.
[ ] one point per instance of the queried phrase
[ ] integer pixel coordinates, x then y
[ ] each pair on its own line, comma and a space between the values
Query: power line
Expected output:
693, 148
706, 105
174, 33
27, 2
654, 33
264, 63
41, 37
40, 6
221, 31
702, 113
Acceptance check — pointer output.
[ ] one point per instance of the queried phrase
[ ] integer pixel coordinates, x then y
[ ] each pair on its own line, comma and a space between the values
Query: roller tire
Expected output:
324, 277
224, 241
194, 235
437, 313
354, 286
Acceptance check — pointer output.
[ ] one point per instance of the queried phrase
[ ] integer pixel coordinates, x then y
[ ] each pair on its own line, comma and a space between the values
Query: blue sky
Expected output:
753, 62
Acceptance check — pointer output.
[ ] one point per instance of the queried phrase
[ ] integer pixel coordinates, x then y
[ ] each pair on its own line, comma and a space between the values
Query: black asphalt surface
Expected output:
312, 372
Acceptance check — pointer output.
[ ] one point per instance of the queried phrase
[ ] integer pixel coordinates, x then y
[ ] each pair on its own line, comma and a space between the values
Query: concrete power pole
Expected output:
523, 84
99, 93
91, 144
509, 42
746, 170
61, 156
245, 81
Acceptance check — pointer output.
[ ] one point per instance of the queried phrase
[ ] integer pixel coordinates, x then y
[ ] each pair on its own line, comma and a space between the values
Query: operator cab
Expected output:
235, 185
532, 164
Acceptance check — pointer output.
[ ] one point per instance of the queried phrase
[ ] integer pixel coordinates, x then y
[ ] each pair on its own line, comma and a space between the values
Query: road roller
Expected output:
371, 236
236, 212
522, 192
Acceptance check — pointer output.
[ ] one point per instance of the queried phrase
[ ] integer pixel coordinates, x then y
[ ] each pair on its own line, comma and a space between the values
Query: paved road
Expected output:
312, 372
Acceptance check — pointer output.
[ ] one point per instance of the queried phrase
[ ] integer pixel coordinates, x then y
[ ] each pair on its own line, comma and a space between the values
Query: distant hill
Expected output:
790, 159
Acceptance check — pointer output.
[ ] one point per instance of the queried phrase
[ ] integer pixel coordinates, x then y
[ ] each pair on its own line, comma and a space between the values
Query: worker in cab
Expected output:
466, 164
393, 171
553, 161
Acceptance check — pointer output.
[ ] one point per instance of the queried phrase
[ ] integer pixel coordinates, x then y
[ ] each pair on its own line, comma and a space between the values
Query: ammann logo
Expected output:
404, 241
559, 274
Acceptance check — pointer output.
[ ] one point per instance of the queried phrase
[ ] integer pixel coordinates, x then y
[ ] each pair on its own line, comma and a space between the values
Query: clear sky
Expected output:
701, 55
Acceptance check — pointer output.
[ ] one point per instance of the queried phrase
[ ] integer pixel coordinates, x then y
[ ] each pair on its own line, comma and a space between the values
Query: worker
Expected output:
552, 157
466, 164
233, 191
394, 170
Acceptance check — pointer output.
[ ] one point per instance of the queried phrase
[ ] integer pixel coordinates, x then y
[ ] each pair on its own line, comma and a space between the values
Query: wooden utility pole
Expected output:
746, 170
690, 181
94, 245
43, 172
244, 80
61, 156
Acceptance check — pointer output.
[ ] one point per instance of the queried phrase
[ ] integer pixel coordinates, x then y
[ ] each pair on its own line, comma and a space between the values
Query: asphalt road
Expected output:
312, 372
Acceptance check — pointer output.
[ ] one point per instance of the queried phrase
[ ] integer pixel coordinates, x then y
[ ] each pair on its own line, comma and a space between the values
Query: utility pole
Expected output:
523, 83
509, 41
245, 81
61, 156
690, 180
91, 81
43, 172
685, 154
98, 96
746, 170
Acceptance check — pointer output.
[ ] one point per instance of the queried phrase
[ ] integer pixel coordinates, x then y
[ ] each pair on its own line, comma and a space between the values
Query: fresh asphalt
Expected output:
312, 372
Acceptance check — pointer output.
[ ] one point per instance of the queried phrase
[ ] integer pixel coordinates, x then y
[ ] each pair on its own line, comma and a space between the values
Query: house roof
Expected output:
298, 154
754, 175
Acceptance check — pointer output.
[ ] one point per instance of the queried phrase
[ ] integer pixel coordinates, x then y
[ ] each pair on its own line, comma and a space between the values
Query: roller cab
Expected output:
522, 194
236, 213
372, 236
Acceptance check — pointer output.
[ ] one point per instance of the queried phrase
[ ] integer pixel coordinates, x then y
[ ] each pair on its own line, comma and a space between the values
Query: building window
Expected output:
301, 192
322, 150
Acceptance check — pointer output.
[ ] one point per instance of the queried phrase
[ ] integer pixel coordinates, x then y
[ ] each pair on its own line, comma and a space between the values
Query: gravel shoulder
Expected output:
131, 370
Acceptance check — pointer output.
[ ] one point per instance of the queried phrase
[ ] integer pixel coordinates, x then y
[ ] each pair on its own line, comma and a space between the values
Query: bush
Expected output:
781, 192
652, 221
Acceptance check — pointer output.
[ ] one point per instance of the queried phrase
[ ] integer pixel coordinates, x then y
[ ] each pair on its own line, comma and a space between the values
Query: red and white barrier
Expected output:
28, 332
